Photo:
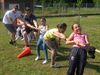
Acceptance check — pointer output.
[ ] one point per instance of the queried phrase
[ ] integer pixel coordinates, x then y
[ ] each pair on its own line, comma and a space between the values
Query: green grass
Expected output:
11, 65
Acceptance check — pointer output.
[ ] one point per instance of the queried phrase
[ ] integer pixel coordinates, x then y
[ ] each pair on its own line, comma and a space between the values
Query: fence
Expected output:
57, 9
66, 9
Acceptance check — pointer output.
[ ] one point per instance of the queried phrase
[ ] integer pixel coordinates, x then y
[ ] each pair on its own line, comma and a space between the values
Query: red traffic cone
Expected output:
25, 52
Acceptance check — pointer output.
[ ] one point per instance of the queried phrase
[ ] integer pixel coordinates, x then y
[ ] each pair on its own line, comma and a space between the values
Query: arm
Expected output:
87, 40
47, 27
35, 23
29, 25
20, 21
70, 40
60, 35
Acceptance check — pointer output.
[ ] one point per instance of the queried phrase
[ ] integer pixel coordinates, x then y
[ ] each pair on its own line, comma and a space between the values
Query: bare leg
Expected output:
13, 36
53, 57
35, 35
25, 38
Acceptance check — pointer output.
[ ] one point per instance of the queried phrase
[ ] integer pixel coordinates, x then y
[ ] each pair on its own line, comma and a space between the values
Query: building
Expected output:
7, 4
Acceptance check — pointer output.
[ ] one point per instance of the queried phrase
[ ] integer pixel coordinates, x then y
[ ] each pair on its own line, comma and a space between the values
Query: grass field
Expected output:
11, 65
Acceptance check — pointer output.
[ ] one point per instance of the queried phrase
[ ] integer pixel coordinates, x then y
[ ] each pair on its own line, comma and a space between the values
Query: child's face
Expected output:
43, 22
76, 28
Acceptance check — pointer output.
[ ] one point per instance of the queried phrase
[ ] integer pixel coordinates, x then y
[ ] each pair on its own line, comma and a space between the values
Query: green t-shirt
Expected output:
49, 35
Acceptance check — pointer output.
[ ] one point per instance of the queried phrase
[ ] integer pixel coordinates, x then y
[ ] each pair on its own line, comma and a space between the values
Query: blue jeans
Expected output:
41, 45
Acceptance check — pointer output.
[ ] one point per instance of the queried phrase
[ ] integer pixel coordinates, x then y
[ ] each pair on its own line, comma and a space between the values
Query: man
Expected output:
8, 20
30, 18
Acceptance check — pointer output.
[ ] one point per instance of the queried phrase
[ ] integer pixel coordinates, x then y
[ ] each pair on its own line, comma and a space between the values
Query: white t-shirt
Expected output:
42, 29
10, 14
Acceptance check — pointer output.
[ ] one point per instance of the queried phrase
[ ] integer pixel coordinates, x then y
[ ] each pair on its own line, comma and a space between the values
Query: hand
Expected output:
80, 44
66, 39
83, 45
76, 42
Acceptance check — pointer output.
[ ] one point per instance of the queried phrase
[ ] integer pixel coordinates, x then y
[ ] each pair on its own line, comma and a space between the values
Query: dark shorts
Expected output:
28, 30
53, 45
11, 28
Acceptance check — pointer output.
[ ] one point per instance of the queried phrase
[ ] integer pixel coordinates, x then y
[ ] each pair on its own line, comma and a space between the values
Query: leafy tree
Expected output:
79, 5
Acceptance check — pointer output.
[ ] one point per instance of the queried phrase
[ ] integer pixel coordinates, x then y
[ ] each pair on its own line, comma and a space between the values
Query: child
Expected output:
25, 29
42, 28
19, 33
50, 40
78, 53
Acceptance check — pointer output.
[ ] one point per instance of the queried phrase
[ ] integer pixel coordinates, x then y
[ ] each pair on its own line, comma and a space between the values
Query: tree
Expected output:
79, 5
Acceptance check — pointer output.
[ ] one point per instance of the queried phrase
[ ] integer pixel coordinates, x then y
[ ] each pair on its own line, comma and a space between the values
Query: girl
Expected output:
78, 53
50, 40
25, 29
42, 28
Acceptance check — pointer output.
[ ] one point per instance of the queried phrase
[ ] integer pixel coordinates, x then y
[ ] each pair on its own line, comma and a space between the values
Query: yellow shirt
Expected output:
49, 35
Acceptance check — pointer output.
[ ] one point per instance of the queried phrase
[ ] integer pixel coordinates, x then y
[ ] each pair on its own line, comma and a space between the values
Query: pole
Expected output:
3, 6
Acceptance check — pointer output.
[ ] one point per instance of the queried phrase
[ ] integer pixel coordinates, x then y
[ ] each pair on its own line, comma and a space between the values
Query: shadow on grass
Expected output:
64, 66
22, 46
63, 54
93, 66
96, 62
64, 50
19, 45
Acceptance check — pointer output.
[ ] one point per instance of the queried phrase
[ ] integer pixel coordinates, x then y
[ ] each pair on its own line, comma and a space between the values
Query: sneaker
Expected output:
12, 42
37, 58
55, 66
44, 62
22, 38
17, 38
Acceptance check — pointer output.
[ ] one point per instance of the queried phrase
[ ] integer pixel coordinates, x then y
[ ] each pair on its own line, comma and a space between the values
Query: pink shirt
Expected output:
79, 37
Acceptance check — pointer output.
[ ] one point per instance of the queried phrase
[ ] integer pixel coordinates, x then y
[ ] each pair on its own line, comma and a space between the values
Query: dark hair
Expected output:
62, 25
15, 6
43, 18
75, 23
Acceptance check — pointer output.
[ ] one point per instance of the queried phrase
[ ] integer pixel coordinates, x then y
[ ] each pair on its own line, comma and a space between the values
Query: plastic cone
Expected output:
26, 51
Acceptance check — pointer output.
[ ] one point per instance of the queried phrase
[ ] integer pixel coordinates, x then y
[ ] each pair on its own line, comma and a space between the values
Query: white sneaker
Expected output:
17, 37
22, 38
44, 62
37, 58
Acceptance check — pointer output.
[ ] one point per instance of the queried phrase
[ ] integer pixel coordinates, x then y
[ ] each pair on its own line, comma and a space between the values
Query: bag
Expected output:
91, 51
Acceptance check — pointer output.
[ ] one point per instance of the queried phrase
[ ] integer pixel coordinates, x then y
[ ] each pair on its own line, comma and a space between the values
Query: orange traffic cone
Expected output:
25, 52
